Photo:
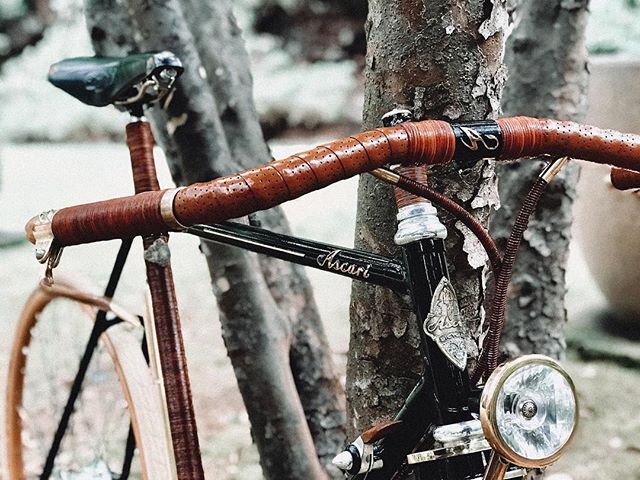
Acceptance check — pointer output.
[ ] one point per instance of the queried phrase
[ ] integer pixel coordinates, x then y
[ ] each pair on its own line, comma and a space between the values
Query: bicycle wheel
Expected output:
119, 400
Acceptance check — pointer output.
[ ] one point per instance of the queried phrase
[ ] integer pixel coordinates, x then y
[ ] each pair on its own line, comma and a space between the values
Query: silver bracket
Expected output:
45, 243
47, 249
479, 445
453, 440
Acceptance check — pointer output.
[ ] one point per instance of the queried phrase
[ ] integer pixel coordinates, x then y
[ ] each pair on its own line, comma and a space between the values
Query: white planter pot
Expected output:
607, 220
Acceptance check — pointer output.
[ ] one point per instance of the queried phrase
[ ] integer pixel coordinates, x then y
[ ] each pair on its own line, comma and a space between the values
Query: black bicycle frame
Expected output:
446, 388
100, 325
355, 264
442, 396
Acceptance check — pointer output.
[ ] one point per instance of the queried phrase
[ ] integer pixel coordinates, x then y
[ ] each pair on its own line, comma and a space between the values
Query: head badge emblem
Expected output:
445, 326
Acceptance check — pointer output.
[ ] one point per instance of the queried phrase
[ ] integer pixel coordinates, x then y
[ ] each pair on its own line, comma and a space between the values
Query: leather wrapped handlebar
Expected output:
624, 179
429, 141
118, 218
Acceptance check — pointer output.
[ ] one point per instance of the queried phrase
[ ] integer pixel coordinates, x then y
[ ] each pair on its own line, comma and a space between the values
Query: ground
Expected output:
39, 177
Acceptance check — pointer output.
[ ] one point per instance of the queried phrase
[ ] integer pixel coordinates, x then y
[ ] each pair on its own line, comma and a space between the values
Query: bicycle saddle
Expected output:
101, 81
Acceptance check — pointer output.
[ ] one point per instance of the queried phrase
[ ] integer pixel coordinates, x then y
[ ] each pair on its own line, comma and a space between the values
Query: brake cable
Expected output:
502, 267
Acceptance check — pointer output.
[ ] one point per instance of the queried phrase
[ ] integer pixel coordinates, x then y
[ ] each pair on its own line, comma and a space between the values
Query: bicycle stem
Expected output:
444, 389
449, 206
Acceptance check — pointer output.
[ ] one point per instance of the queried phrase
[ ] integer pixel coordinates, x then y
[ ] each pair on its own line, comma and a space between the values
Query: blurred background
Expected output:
307, 62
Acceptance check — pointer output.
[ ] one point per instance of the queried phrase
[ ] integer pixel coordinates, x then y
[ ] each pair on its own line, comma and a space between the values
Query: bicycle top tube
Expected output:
259, 188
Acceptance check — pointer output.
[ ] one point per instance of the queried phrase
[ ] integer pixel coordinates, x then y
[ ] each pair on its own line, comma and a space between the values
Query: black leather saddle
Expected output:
101, 81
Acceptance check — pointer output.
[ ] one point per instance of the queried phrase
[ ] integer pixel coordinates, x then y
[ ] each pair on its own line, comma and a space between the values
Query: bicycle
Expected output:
452, 426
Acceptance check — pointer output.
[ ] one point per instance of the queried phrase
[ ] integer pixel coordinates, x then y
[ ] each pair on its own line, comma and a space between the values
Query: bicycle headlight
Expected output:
529, 411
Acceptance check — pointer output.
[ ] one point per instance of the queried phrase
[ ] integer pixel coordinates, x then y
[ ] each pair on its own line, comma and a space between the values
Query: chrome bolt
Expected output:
168, 74
529, 409
396, 117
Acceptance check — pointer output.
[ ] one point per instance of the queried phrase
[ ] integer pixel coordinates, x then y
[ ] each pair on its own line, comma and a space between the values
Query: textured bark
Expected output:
310, 356
546, 56
18, 33
315, 30
25, 30
270, 322
442, 59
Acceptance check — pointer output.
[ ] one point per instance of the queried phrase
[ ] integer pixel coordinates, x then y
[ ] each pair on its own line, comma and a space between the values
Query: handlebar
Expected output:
429, 142
624, 179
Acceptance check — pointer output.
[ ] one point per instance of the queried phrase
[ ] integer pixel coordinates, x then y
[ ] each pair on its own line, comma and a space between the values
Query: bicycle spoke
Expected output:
99, 327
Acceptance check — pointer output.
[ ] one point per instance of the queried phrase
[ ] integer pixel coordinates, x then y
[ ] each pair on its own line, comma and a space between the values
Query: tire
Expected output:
52, 332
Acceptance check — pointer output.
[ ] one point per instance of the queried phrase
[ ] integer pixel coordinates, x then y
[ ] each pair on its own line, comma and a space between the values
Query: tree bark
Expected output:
546, 56
270, 323
17, 34
25, 30
442, 59
315, 30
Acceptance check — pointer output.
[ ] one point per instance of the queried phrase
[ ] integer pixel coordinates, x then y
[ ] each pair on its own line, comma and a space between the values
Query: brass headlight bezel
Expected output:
488, 410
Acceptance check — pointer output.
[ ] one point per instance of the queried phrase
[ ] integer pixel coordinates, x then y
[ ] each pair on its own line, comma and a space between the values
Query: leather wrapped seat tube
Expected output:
168, 341
429, 141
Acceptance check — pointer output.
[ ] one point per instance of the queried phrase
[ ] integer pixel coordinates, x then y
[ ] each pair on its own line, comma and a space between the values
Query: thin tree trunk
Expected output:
24, 30
16, 34
546, 56
270, 323
321, 395
442, 59
314, 30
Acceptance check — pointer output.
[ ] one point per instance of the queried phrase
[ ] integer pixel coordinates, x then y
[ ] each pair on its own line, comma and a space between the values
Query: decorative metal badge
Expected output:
445, 326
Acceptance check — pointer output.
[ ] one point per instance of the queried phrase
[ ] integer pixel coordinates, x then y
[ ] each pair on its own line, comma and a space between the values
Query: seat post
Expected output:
182, 423
140, 143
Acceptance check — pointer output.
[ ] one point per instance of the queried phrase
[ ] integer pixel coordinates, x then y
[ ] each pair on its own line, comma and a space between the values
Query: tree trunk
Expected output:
16, 34
269, 319
315, 30
546, 55
442, 59
24, 30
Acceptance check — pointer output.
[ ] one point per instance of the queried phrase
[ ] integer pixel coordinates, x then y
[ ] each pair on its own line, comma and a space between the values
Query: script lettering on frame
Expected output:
445, 326
331, 262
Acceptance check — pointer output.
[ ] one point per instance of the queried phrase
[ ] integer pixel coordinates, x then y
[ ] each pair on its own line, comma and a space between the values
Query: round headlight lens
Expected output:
529, 410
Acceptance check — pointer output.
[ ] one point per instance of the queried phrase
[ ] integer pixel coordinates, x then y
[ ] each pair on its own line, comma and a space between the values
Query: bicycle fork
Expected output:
437, 412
